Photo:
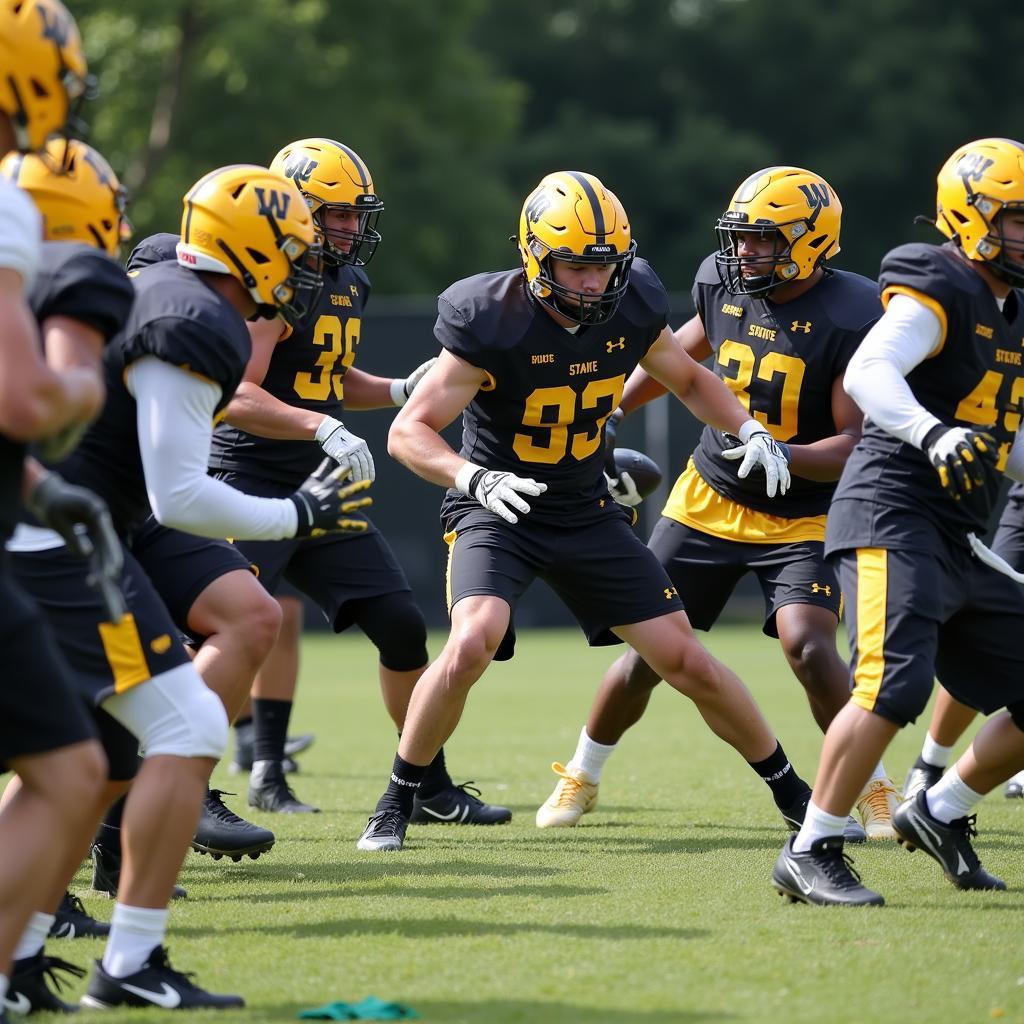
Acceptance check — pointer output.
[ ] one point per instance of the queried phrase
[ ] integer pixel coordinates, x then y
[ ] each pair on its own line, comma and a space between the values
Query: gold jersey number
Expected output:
772, 364
979, 408
560, 406
338, 340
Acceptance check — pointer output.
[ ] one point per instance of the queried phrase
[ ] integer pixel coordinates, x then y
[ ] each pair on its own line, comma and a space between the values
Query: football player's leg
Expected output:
950, 720
807, 634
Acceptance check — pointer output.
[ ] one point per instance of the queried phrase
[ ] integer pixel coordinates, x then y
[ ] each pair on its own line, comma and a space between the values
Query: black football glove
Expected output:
964, 459
324, 502
611, 428
83, 520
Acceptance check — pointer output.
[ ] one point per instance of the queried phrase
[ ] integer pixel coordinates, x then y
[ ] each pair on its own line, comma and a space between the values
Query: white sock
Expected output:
590, 756
818, 824
4, 985
878, 774
951, 798
134, 933
34, 935
934, 753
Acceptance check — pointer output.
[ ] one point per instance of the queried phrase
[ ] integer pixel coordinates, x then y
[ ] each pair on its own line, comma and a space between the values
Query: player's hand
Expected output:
324, 502
623, 490
59, 446
758, 448
964, 459
346, 449
403, 387
83, 520
496, 491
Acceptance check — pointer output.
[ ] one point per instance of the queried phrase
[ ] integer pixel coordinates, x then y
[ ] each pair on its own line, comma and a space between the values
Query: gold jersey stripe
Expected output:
872, 594
695, 503
925, 300
123, 648
449, 539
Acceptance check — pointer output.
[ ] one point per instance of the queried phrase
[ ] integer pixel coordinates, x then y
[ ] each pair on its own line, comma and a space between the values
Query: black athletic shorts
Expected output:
181, 565
40, 709
705, 570
334, 571
913, 616
603, 572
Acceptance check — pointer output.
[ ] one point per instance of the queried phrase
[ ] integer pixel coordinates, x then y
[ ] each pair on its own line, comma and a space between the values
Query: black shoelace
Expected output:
469, 791
388, 823
50, 965
219, 810
838, 867
965, 828
159, 960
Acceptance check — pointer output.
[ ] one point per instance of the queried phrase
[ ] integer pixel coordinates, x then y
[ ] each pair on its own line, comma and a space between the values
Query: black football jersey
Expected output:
78, 281
781, 360
307, 370
180, 320
975, 380
542, 412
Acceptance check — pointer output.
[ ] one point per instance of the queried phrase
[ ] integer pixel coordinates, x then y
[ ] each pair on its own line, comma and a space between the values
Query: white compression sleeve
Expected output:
175, 416
906, 334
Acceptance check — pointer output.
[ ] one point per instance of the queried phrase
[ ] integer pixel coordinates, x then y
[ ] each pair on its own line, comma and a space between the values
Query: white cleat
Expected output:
574, 796
875, 806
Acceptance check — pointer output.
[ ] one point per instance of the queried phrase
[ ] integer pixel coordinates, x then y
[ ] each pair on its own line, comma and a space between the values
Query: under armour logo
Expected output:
671, 592
818, 588
611, 346
804, 326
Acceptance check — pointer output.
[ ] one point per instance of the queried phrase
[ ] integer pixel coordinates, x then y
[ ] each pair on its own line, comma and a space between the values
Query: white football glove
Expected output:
623, 490
496, 490
346, 449
759, 448
403, 387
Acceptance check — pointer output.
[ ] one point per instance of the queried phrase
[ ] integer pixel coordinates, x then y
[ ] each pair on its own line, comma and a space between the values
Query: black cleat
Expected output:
106, 872
268, 791
72, 922
156, 983
949, 844
1015, 787
458, 805
823, 876
921, 776
222, 833
384, 832
28, 991
793, 816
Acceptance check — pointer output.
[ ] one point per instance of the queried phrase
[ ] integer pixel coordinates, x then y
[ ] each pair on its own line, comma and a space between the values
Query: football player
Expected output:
248, 248
46, 735
781, 325
939, 380
294, 392
535, 360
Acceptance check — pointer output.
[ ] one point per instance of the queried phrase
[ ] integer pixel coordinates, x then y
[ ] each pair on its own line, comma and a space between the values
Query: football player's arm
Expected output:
36, 402
824, 460
253, 408
415, 435
365, 391
694, 385
175, 410
906, 334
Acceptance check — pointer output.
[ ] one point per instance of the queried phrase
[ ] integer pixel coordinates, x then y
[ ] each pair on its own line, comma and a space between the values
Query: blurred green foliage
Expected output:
460, 106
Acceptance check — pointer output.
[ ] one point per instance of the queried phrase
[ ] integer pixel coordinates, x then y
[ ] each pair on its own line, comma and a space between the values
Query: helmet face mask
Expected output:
796, 207
333, 177
978, 187
572, 218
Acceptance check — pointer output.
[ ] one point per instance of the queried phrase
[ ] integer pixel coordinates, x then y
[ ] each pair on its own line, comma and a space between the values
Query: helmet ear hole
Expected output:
257, 257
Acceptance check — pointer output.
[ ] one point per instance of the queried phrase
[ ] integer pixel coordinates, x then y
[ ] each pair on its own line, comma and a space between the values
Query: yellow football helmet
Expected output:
44, 70
975, 185
571, 216
76, 191
253, 224
333, 177
800, 206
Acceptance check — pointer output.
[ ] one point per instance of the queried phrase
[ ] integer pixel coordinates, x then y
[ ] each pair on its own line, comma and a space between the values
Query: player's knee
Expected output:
396, 627
813, 658
469, 651
259, 615
84, 779
691, 669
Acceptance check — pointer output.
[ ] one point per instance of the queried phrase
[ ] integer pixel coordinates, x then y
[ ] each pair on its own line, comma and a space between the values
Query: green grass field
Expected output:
657, 909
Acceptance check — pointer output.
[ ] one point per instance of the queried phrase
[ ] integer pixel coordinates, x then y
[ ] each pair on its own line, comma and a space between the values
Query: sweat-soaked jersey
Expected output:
307, 370
974, 379
781, 361
176, 318
542, 410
